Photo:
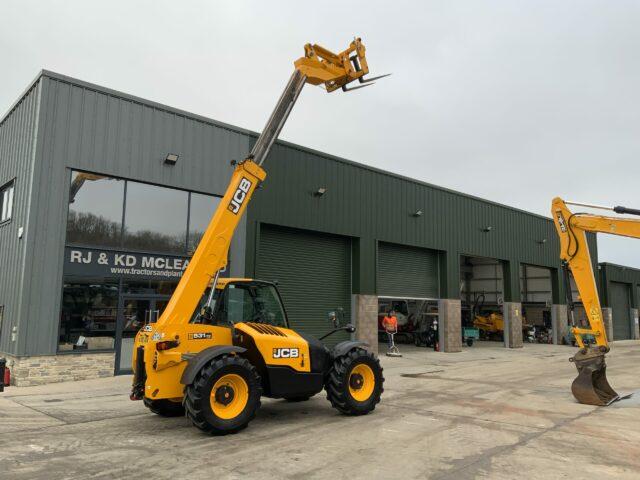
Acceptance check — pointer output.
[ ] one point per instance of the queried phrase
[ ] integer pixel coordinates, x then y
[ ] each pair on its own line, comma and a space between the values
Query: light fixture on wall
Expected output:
418, 213
487, 229
541, 242
171, 159
320, 192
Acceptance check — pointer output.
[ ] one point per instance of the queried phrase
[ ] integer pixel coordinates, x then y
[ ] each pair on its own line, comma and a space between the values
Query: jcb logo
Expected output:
286, 353
561, 222
240, 195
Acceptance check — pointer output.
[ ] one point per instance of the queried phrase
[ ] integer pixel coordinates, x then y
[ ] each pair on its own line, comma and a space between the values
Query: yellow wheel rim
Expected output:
362, 381
229, 396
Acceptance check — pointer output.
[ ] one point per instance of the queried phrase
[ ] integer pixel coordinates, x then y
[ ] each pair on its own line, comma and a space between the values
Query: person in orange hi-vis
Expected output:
390, 324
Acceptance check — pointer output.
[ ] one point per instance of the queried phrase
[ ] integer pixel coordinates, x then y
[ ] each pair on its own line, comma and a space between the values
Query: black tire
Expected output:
165, 408
297, 399
197, 395
469, 342
337, 383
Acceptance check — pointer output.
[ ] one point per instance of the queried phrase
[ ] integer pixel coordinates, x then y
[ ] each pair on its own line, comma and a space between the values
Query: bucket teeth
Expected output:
591, 386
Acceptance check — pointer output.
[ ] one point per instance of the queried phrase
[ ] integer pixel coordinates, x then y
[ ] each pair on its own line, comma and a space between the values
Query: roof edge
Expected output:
244, 131
617, 265
22, 96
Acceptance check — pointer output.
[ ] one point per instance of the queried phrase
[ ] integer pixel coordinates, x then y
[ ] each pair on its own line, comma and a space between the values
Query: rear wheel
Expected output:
224, 396
165, 407
354, 383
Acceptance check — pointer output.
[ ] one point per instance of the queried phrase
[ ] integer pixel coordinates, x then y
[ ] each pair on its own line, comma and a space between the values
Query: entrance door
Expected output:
133, 313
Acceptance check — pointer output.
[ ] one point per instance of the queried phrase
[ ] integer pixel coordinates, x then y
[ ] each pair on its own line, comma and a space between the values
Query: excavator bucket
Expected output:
591, 386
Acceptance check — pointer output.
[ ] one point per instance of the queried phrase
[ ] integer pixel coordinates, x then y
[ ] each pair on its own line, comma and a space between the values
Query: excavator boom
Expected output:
591, 386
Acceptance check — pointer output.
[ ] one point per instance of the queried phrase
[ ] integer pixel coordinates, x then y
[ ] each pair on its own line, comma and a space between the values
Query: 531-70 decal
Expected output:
200, 336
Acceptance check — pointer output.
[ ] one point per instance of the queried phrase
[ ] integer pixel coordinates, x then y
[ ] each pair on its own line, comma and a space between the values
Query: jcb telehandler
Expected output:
590, 386
212, 355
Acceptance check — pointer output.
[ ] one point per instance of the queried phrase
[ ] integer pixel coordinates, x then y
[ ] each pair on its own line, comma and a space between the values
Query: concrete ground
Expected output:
487, 412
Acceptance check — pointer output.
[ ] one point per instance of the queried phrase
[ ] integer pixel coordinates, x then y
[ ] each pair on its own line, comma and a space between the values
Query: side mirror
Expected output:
333, 318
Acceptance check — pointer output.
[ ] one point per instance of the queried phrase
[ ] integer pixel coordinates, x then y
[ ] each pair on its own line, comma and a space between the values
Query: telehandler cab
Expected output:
212, 355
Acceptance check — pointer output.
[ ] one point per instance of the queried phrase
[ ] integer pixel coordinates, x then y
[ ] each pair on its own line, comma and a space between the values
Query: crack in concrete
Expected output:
481, 462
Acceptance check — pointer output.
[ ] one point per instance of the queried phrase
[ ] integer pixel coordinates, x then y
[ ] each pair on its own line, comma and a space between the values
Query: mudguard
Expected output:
344, 347
205, 356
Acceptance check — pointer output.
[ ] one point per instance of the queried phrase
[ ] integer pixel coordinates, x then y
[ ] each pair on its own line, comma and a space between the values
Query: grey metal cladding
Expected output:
86, 127
18, 131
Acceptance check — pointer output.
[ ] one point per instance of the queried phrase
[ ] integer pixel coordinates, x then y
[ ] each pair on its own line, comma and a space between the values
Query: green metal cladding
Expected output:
372, 206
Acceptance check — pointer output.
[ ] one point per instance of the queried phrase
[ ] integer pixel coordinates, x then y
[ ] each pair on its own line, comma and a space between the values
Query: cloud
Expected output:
516, 102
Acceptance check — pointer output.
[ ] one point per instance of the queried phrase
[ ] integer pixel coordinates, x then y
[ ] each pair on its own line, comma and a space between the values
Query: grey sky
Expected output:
513, 101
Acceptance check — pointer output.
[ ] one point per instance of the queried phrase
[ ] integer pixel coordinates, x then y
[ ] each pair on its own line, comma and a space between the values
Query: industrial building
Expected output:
105, 196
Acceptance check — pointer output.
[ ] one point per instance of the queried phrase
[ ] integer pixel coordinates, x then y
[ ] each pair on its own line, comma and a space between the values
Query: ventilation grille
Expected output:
266, 329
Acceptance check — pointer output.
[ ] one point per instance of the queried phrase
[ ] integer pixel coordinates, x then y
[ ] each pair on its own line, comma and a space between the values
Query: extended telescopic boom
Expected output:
318, 66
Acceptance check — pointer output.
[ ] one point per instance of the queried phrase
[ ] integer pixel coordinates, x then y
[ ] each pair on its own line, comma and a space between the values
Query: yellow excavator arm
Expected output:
591, 386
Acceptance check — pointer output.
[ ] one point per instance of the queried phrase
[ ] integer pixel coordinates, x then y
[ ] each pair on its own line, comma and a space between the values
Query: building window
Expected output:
201, 211
6, 201
151, 287
95, 210
155, 218
110, 212
89, 314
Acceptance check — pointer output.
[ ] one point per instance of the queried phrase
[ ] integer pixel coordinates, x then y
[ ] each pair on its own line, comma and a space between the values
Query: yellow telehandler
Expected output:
591, 386
213, 355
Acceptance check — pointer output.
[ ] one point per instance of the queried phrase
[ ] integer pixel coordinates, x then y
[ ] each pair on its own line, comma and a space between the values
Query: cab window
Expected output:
250, 302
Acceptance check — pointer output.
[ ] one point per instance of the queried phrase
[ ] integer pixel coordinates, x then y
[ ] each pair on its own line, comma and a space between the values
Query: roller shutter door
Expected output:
407, 271
621, 310
313, 271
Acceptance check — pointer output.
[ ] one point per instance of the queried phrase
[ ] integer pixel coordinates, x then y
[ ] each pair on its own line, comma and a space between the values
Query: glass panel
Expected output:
95, 210
160, 306
202, 209
135, 314
6, 202
4, 197
252, 303
149, 286
9, 202
156, 218
88, 316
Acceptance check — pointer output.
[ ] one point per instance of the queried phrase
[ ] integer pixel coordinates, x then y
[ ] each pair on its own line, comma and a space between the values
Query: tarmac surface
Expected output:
487, 412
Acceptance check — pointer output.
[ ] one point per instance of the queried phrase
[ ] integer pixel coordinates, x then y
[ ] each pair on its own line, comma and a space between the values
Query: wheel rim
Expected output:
229, 396
361, 382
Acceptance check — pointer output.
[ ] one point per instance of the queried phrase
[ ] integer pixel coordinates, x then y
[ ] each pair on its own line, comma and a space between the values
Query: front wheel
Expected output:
224, 396
354, 383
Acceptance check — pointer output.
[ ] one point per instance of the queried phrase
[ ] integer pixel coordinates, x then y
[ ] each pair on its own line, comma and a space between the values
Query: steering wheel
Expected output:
260, 317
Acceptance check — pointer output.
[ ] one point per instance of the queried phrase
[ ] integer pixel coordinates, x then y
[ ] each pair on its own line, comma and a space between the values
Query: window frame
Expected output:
120, 247
87, 351
10, 185
2, 310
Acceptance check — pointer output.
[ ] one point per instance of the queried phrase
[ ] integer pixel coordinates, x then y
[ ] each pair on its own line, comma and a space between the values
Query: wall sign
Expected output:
108, 263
